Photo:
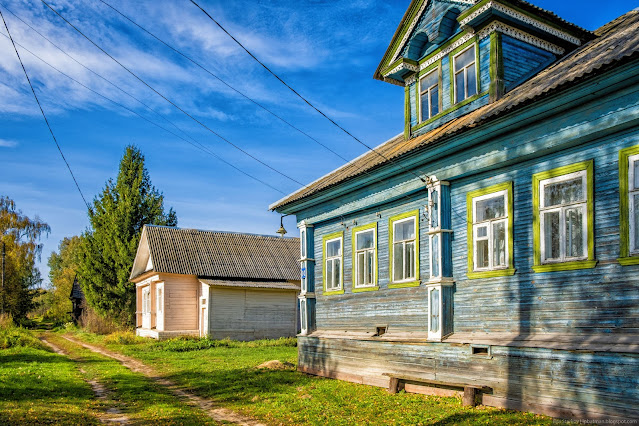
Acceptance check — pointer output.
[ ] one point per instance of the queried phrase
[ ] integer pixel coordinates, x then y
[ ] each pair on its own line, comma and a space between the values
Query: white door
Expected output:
204, 318
159, 303
146, 307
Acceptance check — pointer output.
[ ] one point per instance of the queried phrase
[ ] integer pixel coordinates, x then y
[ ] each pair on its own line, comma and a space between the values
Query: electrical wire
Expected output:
43, 114
196, 145
93, 72
171, 102
297, 93
244, 95
236, 90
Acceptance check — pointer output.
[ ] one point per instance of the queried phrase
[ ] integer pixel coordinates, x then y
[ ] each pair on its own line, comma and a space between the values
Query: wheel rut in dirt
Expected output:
217, 413
112, 414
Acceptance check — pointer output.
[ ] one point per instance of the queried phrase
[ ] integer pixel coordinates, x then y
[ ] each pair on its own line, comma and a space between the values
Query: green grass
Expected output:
39, 387
226, 373
137, 396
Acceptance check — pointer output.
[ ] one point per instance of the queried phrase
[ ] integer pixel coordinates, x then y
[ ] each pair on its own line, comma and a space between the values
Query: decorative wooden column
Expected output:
307, 275
440, 285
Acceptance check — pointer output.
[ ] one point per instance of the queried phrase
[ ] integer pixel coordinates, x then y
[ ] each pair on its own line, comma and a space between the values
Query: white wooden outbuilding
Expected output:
216, 284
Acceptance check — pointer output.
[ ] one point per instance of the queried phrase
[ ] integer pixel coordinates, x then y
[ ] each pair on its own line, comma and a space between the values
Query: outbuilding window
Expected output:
404, 245
429, 95
563, 206
333, 262
465, 71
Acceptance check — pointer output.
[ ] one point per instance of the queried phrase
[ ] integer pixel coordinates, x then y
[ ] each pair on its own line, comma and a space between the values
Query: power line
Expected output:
42, 111
91, 71
223, 81
171, 102
196, 145
295, 92
234, 89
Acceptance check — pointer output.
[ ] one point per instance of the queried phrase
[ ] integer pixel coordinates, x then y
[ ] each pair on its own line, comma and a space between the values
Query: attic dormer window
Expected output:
465, 74
429, 95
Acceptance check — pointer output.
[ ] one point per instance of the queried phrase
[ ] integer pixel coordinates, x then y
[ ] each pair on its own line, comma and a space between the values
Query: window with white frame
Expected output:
633, 193
365, 242
146, 300
434, 314
465, 74
160, 300
303, 317
333, 264
303, 244
490, 231
429, 94
563, 216
404, 239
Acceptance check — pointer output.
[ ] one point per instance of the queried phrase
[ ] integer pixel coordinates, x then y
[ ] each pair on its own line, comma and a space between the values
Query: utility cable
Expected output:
233, 88
196, 145
194, 62
201, 146
297, 93
93, 72
42, 111
169, 101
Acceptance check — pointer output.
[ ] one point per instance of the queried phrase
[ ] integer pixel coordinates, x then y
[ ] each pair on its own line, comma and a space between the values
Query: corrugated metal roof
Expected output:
617, 41
280, 285
215, 254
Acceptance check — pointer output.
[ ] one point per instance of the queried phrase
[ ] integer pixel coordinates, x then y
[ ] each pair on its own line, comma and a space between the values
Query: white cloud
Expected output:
4, 143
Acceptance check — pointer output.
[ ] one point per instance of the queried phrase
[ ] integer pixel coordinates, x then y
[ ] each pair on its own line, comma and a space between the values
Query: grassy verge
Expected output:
226, 373
139, 398
38, 386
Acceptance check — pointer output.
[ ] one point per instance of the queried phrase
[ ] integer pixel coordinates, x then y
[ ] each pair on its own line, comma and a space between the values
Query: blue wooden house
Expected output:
491, 248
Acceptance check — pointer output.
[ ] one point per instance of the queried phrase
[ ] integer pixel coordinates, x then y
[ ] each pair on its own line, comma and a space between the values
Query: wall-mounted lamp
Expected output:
281, 231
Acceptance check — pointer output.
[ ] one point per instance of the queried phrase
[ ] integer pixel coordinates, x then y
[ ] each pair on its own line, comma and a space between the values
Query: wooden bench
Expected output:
471, 390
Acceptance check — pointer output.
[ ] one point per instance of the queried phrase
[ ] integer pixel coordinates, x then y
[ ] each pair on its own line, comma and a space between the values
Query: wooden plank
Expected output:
557, 410
393, 385
470, 394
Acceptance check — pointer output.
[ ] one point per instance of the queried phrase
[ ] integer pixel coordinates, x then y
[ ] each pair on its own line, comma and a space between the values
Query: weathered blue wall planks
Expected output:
521, 61
581, 304
562, 342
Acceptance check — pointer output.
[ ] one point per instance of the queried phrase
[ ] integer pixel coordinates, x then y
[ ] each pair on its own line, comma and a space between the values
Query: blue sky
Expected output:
327, 50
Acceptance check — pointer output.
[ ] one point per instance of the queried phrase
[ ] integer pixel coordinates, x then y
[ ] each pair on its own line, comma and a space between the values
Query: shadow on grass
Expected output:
243, 384
36, 375
47, 416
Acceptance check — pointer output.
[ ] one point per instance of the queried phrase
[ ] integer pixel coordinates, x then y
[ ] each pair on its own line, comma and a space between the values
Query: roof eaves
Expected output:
284, 200
389, 51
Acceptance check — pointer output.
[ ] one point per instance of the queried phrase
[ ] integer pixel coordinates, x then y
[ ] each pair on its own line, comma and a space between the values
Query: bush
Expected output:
123, 338
94, 323
12, 336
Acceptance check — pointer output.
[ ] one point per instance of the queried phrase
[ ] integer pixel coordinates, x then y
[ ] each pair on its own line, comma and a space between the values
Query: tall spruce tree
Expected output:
117, 218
